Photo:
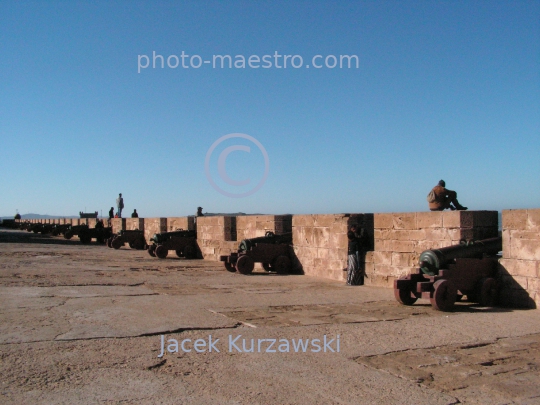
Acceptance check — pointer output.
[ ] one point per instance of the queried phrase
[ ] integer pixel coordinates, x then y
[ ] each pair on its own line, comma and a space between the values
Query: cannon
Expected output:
134, 238
273, 251
60, 229
100, 234
445, 275
74, 230
182, 241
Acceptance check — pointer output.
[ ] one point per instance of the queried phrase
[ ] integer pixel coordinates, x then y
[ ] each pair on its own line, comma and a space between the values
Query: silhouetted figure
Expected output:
120, 205
99, 224
199, 212
440, 198
111, 213
17, 216
134, 214
356, 248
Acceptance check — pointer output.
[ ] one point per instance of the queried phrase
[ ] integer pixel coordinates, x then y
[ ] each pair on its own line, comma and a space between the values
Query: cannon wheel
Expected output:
138, 244
229, 267
189, 252
245, 265
117, 243
404, 296
109, 240
68, 235
444, 295
267, 266
152, 250
161, 252
282, 265
488, 292
131, 245
179, 253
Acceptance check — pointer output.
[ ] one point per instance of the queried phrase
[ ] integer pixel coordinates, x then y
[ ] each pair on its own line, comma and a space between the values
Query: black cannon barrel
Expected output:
431, 261
269, 238
164, 236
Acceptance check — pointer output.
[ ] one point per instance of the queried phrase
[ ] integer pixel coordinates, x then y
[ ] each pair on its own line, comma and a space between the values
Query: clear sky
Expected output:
443, 90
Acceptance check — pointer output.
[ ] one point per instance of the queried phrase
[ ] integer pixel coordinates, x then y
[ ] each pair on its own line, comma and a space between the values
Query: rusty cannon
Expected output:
445, 275
134, 238
182, 241
271, 250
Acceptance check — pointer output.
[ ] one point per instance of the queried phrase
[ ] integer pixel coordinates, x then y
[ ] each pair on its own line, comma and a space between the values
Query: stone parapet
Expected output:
214, 236
175, 223
253, 226
320, 242
519, 269
152, 226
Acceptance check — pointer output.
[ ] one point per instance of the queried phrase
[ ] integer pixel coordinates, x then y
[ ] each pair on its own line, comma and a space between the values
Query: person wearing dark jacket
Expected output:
440, 198
355, 275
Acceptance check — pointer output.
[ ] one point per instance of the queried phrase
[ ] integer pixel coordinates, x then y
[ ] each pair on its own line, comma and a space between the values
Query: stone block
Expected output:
438, 234
404, 259
525, 249
404, 220
429, 219
326, 220
402, 246
507, 251
514, 219
525, 268
383, 221
451, 219
382, 258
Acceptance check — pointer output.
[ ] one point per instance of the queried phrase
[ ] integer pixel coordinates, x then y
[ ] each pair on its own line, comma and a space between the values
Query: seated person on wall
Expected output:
199, 212
440, 198
99, 224
134, 214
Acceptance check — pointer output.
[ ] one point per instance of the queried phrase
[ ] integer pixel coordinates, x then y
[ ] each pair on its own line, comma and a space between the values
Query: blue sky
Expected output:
443, 90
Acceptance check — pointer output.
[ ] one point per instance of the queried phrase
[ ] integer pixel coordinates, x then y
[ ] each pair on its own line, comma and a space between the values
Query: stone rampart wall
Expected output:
519, 268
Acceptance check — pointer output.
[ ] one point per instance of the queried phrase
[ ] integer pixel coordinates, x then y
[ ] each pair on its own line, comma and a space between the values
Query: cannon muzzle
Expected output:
431, 261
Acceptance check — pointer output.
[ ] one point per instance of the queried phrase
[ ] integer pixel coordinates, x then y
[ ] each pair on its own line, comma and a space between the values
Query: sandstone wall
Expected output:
118, 224
252, 226
519, 269
133, 224
320, 242
186, 223
215, 236
152, 226
401, 237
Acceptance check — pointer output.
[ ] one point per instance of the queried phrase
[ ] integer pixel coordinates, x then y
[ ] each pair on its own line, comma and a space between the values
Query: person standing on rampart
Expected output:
120, 205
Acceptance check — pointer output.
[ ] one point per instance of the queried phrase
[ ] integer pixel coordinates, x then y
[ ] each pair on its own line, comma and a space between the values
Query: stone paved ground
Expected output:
82, 324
